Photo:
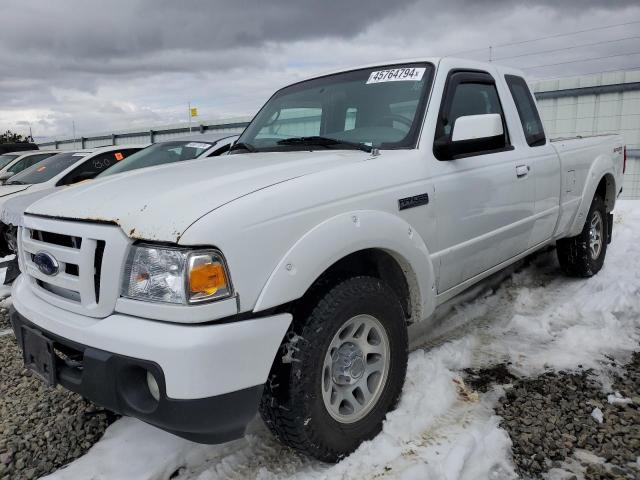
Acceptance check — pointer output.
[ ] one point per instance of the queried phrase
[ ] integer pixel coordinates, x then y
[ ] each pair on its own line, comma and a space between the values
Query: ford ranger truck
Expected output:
285, 276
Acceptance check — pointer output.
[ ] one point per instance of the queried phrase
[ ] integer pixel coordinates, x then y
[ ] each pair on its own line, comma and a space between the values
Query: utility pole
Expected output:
189, 111
490, 53
73, 127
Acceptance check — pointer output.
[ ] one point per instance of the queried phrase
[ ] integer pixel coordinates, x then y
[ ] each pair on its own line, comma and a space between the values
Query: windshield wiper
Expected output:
325, 142
242, 146
15, 182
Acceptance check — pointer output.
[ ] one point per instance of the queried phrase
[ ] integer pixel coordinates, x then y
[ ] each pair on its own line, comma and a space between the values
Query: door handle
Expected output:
522, 170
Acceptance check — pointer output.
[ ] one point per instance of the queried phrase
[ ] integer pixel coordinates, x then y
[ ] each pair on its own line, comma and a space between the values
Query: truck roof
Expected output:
437, 61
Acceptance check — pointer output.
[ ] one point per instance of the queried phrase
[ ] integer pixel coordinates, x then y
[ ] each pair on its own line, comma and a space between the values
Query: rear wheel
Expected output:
583, 255
342, 370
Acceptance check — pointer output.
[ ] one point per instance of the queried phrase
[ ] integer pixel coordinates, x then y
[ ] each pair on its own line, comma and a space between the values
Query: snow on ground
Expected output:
536, 319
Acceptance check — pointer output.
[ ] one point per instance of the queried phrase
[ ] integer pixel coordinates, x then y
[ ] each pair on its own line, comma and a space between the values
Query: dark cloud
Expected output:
118, 63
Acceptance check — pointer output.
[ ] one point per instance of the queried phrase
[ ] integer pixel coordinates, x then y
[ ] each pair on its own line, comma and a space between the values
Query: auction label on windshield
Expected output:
397, 75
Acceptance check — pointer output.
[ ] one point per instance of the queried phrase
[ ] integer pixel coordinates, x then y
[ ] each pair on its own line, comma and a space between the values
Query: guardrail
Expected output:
143, 136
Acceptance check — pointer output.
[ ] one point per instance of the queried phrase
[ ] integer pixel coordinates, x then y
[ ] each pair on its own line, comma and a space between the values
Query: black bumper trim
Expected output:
119, 383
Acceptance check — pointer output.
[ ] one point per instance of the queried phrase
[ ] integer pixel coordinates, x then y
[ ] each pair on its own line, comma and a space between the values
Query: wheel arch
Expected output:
361, 242
600, 181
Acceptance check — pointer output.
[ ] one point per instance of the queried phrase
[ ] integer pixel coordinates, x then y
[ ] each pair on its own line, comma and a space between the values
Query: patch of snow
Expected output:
597, 415
290, 348
537, 319
6, 303
617, 399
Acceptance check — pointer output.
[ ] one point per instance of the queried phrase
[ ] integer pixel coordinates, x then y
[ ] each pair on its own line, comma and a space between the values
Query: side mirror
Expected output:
471, 134
6, 176
474, 127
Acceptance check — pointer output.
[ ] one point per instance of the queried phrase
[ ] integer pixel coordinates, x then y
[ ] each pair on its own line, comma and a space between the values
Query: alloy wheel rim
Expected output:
355, 368
596, 230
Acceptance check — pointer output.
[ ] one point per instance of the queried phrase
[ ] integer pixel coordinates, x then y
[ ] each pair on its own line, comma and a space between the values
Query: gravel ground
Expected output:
551, 422
4, 319
40, 429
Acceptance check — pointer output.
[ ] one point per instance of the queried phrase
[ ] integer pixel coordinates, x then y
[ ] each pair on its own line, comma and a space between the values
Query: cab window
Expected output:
527, 111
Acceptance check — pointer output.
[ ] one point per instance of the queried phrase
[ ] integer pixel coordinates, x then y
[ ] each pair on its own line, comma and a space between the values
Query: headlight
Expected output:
172, 275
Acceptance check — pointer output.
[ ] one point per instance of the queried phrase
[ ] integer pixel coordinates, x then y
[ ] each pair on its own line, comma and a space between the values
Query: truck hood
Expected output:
160, 203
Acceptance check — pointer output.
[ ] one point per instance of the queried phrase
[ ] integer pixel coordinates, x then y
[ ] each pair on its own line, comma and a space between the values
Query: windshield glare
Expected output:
379, 107
6, 159
159, 154
46, 169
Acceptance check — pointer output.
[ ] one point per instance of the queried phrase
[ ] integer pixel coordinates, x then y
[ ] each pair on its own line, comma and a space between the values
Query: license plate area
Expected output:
39, 356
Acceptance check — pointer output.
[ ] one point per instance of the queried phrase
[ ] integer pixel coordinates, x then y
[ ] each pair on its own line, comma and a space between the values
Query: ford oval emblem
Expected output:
46, 263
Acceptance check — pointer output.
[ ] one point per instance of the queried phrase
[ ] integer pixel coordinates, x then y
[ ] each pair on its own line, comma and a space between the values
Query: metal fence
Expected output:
141, 137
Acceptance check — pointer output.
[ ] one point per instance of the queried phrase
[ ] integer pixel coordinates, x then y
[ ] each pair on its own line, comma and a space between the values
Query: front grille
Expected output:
69, 253
97, 267
57, 239
87, 254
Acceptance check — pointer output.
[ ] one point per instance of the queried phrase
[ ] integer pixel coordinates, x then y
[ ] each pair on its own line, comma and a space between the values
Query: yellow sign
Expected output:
194, 111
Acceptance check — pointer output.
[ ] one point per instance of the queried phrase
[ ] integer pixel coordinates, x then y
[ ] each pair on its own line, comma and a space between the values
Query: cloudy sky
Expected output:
119, 64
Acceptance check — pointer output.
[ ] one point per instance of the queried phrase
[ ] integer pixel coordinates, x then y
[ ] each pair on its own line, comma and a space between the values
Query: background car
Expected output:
61, 169
176, 150
15, 162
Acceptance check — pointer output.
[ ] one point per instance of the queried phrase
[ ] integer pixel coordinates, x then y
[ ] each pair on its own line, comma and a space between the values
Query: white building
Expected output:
597, 103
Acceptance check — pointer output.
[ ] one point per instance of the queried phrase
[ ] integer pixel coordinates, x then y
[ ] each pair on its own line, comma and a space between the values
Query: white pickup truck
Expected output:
284, 276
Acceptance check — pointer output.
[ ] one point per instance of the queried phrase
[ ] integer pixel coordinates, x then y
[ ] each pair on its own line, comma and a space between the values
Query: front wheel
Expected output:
583, 255
342, 369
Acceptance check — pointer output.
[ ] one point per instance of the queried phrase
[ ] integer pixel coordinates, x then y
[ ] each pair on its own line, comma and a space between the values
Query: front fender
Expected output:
347, 233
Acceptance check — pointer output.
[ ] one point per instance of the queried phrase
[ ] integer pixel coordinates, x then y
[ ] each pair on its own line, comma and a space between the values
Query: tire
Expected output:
296, 403
577, 255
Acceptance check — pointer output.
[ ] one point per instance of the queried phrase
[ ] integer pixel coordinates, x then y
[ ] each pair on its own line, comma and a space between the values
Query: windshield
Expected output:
159, 154
46, 169
6, 159
379, 107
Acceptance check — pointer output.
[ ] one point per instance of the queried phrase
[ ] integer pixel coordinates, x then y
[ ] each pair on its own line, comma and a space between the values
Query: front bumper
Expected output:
210, 376
119, 383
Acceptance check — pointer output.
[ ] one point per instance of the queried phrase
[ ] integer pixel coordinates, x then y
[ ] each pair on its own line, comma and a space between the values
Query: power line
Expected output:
557, 35
569, 48
581, 60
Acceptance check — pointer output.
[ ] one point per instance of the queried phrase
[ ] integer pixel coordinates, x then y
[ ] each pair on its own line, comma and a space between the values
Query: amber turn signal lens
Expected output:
207, 279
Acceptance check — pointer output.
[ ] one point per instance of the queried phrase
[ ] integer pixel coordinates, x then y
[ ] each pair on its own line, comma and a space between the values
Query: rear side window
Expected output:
529, 117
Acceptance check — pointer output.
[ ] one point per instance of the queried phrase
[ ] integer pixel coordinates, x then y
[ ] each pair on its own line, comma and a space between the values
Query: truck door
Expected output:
484, 203
541, 161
